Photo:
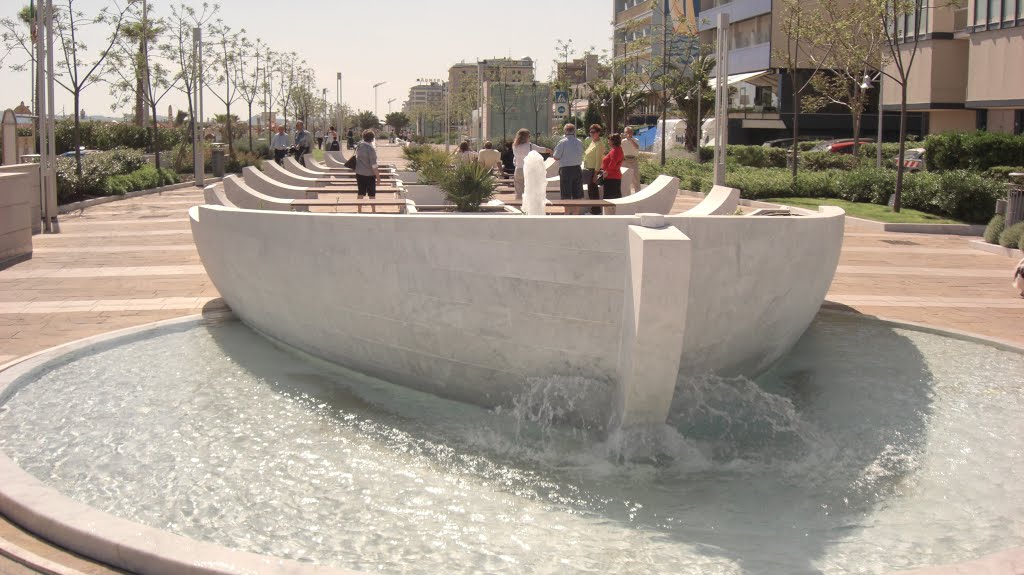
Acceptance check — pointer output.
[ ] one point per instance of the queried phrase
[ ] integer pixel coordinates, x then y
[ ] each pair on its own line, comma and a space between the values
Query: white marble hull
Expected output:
473, 307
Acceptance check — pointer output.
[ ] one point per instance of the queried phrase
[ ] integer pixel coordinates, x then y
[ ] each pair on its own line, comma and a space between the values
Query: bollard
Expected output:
217, 160
1014, 206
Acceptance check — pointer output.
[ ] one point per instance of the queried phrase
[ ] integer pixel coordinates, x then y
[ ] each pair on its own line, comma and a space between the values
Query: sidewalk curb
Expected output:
996, 249
75, 206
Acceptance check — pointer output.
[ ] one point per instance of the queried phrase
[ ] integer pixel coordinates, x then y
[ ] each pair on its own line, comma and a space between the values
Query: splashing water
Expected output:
535, 192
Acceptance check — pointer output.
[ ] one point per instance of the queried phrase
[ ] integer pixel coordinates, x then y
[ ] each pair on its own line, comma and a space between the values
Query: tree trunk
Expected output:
796, 122
250, 127
77, 139
156, 138
227, 124
856, 134
898, 196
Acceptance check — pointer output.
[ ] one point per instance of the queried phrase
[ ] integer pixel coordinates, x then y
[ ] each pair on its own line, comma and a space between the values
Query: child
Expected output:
1018, 277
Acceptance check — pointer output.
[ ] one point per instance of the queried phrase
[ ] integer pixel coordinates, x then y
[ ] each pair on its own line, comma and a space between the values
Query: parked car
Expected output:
913, 160
787, 142
844, 146
71, 153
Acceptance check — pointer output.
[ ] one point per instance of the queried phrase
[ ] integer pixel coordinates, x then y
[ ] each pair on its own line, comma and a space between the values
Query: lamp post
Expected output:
341, 110
664, 87
376, 107
323, 128
700, 123
866, 85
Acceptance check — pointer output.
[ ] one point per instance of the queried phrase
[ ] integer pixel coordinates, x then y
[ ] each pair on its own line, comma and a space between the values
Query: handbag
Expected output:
600, 178
350, 163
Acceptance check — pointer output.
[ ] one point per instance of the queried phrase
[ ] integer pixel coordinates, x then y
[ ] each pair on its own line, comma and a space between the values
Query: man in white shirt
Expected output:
279, 144
303, 142
490, 157
631, 160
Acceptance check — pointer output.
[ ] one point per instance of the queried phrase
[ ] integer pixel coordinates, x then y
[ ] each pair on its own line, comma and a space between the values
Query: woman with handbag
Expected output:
611, 168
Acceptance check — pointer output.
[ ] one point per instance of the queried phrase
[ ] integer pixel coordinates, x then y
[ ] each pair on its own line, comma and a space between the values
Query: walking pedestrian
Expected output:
351, 139
592, 164
569, 153
611, 165
303, 142
319, 139
631, 160
521, 148
279, 144
367, 172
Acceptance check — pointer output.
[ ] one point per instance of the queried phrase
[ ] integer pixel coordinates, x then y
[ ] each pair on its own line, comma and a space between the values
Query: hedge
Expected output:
1011, 236
994, 228
961, 195
96, 168
110, 135
974, 150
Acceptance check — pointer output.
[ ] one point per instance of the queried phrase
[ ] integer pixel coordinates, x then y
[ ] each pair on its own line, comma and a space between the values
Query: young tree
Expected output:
251, 63
78, 70
19, 36
222, 50
285, 69
901, 22
695, 98
178, 48
851, 35
796, 17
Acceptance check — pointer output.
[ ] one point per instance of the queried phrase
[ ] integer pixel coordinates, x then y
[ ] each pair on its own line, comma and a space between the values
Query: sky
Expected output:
371, 41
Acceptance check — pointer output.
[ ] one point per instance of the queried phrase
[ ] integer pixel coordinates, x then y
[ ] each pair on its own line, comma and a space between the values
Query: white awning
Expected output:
737, 78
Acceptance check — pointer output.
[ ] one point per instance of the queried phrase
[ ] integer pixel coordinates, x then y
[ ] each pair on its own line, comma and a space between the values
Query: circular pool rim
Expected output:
138, 548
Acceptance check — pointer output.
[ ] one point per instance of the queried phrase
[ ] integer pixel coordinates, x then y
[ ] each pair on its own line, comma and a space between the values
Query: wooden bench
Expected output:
357, 203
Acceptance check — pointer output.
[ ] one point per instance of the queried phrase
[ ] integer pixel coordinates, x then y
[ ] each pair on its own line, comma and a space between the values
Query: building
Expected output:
510, 106
640, 38
427, 93
967, 71
761, 102
494, 70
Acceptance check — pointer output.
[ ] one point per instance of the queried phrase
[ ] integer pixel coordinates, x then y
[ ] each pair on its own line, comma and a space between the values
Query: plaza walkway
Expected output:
133, 262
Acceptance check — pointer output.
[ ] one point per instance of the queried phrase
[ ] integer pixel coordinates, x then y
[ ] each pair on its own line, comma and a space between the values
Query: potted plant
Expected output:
468, 185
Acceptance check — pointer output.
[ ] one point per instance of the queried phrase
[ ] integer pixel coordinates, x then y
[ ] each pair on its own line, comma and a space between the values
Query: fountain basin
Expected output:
903, 451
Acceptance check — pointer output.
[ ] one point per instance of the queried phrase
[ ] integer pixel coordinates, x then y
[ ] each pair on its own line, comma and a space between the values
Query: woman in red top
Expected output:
611, 165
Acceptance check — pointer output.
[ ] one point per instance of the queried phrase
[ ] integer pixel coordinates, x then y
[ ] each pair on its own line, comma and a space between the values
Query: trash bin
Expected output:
217, 159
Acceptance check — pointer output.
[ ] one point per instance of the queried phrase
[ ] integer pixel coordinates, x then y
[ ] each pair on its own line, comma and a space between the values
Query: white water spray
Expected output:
535, 192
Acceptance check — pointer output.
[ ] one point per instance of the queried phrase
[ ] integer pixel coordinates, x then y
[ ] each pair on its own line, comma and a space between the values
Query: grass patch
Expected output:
866, 211
318, 154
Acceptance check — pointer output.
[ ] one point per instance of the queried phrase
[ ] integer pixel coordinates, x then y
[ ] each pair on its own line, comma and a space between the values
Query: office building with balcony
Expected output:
967, 72
492, 70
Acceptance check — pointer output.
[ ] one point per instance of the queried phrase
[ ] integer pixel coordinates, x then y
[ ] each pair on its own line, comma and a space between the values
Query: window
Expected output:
1008, 9
750, 32
992, 14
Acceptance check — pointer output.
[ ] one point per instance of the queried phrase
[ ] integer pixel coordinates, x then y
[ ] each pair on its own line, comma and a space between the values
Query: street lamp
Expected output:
700, 121
323, 128
866, 85
376, 108
341, 111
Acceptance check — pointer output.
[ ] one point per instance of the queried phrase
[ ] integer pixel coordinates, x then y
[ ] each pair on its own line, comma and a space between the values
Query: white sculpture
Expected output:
535, 192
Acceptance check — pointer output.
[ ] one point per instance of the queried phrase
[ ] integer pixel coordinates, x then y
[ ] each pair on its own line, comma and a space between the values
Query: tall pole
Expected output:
337, 102
664, 83
40, 110
51, 137
447, 119
722, 98
700, 120
881, 115
199, 169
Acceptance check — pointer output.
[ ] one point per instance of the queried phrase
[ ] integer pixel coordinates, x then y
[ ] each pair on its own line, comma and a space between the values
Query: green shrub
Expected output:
96, 168
467, 185
1011, 236
757, 156
760, 183
967, 196
145, 178
820, 161
692, 176
866, 185
973, 150
1002, 173
994, 228
242, 160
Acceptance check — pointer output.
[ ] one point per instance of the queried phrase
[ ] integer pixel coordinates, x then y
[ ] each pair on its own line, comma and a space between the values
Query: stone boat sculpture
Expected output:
476, 307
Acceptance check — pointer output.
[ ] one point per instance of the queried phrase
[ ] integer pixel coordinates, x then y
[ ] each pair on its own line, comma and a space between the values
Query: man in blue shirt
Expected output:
569, 153
303, 142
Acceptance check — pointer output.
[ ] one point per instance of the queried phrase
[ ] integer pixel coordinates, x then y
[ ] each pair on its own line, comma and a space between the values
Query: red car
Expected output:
839, 146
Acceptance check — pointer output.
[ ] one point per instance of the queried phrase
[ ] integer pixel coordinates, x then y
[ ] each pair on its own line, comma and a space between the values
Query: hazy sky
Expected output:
372, 41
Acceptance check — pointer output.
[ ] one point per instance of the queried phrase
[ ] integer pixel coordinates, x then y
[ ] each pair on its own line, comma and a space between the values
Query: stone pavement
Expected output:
133, 262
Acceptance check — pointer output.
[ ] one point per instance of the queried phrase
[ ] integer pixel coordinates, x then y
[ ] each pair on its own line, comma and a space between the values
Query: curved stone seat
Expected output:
292, 165
656, 198
264, 184
720, 201
320, 168
424, 195
551, 166
334, 159
281, 175
244, 197
214, 195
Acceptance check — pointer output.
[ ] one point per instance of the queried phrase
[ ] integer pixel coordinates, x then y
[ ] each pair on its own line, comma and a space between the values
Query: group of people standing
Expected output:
590, 165
331, 142
281, 145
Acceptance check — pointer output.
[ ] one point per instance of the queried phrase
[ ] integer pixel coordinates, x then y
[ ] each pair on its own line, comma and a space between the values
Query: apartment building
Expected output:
492, 70
967, 73
640, 38
423, 94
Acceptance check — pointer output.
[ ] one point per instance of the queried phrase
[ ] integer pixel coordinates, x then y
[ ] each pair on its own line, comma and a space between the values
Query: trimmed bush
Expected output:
967, 196
96, 168
866, 185
1002, 173
242, 160
820, 161
994, 228
973, 150
1011, 236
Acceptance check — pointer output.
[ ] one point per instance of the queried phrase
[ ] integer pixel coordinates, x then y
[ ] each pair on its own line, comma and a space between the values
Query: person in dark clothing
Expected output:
508, 158
351, 139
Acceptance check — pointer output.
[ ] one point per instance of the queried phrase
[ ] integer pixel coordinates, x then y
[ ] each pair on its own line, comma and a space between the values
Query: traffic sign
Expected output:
561, 97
